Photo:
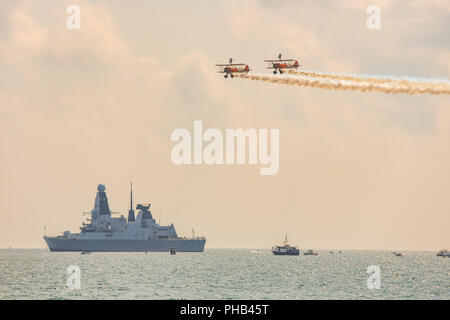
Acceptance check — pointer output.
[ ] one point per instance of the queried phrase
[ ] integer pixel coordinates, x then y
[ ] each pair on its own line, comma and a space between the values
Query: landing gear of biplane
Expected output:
274, 71
225, 76
281, 72
231, 75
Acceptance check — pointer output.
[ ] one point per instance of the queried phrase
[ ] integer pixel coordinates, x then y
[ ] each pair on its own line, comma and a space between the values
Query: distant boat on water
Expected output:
443, 253
310, 253
398, 254
286, 249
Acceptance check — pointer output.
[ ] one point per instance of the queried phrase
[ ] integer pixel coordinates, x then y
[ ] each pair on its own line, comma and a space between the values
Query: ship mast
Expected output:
131, 217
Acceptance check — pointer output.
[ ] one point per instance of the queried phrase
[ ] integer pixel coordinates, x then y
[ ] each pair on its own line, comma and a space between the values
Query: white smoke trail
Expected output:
423, 83
350, 84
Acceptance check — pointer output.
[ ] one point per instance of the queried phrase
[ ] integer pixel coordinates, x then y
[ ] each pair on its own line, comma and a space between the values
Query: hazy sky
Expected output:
98, 105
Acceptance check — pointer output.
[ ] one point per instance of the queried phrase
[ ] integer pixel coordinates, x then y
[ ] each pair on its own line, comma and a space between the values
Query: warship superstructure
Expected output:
140, 233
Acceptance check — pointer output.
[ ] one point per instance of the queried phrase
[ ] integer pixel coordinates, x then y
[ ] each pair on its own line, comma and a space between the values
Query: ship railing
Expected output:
192, 238
65, 237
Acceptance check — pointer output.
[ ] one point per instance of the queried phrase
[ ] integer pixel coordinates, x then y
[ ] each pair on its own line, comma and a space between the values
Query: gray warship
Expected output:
140, 233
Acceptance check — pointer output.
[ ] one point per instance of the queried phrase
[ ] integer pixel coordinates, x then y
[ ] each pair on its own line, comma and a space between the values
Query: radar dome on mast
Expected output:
101, 206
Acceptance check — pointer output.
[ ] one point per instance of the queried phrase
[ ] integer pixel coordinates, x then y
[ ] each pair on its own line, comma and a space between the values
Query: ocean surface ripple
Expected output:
223, 274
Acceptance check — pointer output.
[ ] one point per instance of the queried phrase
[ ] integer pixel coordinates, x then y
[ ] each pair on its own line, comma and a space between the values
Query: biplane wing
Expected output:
280, 60
231, 64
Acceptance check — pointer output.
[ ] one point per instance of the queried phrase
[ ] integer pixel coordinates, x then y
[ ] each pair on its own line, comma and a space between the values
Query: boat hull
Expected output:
293, 253
119, 245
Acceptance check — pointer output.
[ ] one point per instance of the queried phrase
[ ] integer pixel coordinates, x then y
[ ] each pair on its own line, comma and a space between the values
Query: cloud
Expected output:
99, 37
249, 22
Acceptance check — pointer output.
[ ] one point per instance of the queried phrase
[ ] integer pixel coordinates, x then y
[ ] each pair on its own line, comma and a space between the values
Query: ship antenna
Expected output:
285, 240
131, 212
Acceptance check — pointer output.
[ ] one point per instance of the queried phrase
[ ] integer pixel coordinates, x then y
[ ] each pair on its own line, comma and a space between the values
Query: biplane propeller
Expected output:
231, 68
278, 65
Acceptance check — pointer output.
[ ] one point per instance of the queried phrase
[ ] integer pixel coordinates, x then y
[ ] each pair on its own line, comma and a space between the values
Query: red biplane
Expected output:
231, 68
280, 64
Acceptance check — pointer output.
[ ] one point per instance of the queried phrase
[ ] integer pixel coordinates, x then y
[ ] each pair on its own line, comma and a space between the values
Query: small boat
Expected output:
286, 249
443, 253
86, 252
310, 253
398, 254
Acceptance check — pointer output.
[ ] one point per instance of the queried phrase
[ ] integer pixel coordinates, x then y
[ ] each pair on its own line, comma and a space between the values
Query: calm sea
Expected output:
223, 274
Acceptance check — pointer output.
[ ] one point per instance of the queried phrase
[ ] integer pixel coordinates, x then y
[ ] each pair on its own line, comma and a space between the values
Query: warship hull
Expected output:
56, 244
